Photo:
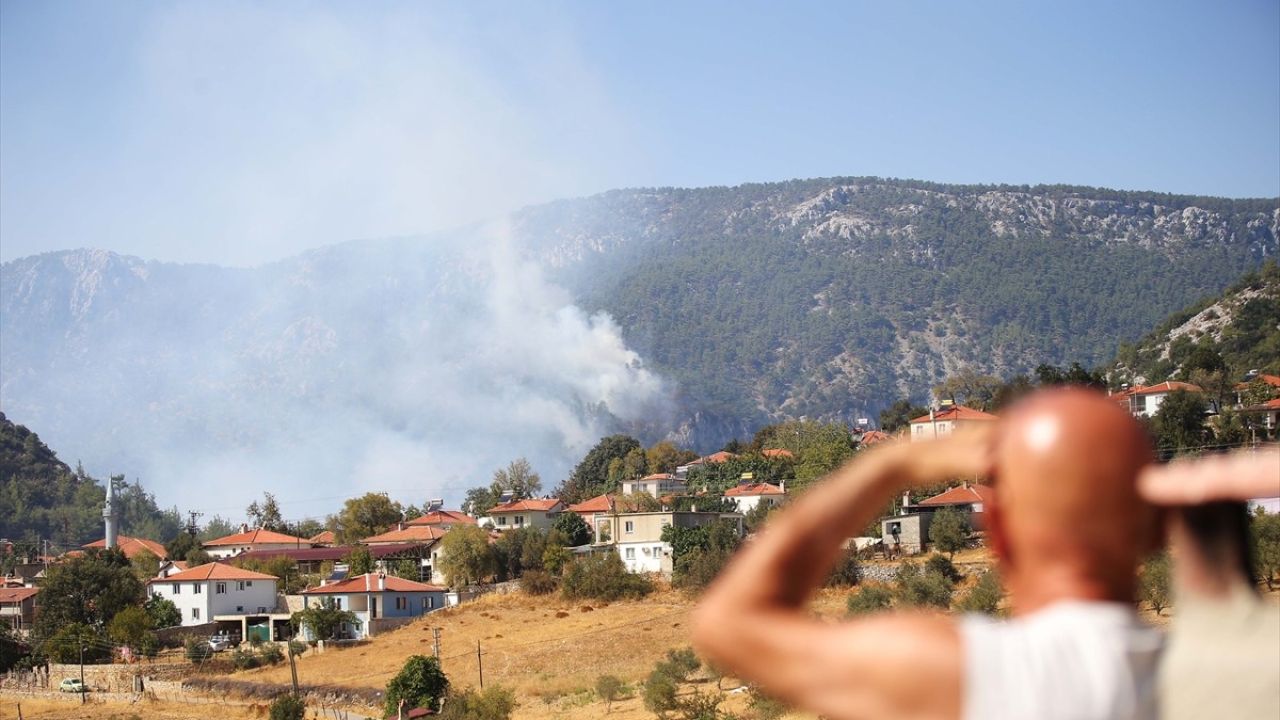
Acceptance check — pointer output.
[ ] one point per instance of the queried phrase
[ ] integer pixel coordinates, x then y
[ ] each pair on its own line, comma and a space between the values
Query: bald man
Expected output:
1068, 530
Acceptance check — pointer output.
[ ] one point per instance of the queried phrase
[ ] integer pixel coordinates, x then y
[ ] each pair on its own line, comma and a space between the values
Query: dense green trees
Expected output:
420, 683
949, 531
602, 576
699, 553
87, 590
324, 619
370, 514
591, 476
466, 558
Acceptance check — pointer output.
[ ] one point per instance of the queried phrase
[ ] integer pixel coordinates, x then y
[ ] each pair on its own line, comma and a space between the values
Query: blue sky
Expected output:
240, 133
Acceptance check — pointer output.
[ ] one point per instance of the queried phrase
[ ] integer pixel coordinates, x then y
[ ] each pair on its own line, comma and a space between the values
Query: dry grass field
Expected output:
71, 709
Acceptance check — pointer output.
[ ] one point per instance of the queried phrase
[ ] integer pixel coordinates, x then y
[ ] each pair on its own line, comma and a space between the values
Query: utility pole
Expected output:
82, 688
480, 663
436, 633
293, 669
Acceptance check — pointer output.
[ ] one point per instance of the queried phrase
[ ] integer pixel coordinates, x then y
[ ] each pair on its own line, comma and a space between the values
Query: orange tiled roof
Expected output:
963, 495
369, 583
777, 453
871, 437
14, 595
659, 477
1167, 386
256, 537
753, 490
325, 537
443, 517
213, 571
1271, 380
531, 504
132, 546
412, 533
956, 412
597, 504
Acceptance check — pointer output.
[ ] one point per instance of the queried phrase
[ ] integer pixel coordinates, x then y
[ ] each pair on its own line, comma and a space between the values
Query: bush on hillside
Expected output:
869, 599
420, 683
944, 567
602, 576
492, 703
1154, 582
537, 582
287, 707
847, 571
984, 596
922, 589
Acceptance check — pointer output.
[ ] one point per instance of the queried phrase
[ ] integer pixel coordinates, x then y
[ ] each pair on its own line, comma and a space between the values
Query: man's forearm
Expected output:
793, 556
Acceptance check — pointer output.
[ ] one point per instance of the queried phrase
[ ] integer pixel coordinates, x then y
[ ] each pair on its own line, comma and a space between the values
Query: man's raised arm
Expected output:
752, 619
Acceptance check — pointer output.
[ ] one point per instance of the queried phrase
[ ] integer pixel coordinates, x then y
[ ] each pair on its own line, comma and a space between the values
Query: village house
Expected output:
132, 547
18, 607
946, 420
443, 519
908, 532
248, 540
657, 485
535, 513
637, 537
403, 533
749, 495
212, 589
1145, 401
324, 538
314, 560
171, 567
380, 601
713, 459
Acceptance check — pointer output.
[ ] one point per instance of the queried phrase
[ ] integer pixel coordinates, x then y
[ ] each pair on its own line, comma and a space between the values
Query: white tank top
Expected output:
1071, 661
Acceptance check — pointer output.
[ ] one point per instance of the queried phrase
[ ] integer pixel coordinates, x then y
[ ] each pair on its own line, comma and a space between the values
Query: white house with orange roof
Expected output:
657, 485
246, 540
537, 513
1145, 401
443, 519
216, 589
946, 420
750, 495
379, 601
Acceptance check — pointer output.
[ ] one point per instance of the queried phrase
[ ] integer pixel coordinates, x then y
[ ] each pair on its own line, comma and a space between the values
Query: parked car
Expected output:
220, 642
72, 685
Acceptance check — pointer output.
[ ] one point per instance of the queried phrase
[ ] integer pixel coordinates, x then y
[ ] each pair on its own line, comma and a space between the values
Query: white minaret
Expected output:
109, 514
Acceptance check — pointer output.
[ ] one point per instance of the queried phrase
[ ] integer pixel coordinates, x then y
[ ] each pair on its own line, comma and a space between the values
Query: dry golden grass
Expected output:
71, 709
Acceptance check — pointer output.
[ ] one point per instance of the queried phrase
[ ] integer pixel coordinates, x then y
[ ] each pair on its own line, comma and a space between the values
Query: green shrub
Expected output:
680, 664
538, 582
1154, 582
944, 567
492, 703
271, 654
287, 707
847, 571
949, 530
922, 589
869, 599
984, 596
420, 683
660, 693
243, 659
197, 650
602, 576
608, 687
763, 707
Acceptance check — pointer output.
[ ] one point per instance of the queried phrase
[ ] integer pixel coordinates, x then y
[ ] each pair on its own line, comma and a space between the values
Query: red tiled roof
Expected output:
443, 517
659, 477
414, 533
1167, 386
132, 546
956, 412
963, 495
369, 583
16, 595
871, 437
597, 504
261, 536
324, 537
532, 504
1271, 380
777, 453
213, 571
753, 490
1273, 404
320, 554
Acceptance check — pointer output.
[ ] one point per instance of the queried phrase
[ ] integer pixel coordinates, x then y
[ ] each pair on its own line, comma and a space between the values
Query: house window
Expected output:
195, 613
428, 602
177, 589
220, 588
631, 553
248, 583
195, 588
519, 521
628, 527
239, 585
502, 519
402, 603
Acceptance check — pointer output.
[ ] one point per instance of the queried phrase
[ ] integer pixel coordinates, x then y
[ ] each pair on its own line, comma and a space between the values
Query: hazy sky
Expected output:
240, 133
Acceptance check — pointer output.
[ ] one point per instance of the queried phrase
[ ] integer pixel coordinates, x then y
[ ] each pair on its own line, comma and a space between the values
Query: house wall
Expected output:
913, 535
523, 518
234, 600
632, 534
218, 552
414, 605
747, 503
646, 557
20, 614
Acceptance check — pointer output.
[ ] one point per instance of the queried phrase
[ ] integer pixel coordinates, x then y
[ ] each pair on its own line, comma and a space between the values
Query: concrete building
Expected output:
18, 606
379, 601
946, 420
248, 540
216, 589
525, 513
657, 485
637, 537
748, 495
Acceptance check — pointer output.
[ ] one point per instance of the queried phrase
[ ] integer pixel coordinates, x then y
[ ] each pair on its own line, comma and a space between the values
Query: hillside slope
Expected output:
373, 364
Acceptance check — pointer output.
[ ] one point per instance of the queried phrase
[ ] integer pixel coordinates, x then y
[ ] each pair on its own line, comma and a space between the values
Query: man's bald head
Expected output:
1067, 461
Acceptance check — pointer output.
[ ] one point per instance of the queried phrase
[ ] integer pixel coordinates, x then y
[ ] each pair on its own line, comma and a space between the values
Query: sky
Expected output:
242, 133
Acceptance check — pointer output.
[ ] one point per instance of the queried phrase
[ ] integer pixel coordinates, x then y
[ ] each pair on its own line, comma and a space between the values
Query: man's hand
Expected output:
1241, 475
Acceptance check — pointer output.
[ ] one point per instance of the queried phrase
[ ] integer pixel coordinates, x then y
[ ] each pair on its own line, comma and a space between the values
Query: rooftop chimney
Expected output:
382, 581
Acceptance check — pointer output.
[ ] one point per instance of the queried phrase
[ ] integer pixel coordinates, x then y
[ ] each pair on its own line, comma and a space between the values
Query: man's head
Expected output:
1067, 519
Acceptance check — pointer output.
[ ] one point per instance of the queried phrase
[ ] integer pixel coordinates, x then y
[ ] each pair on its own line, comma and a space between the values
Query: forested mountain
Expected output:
428, 362
42, 499
1238, 330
